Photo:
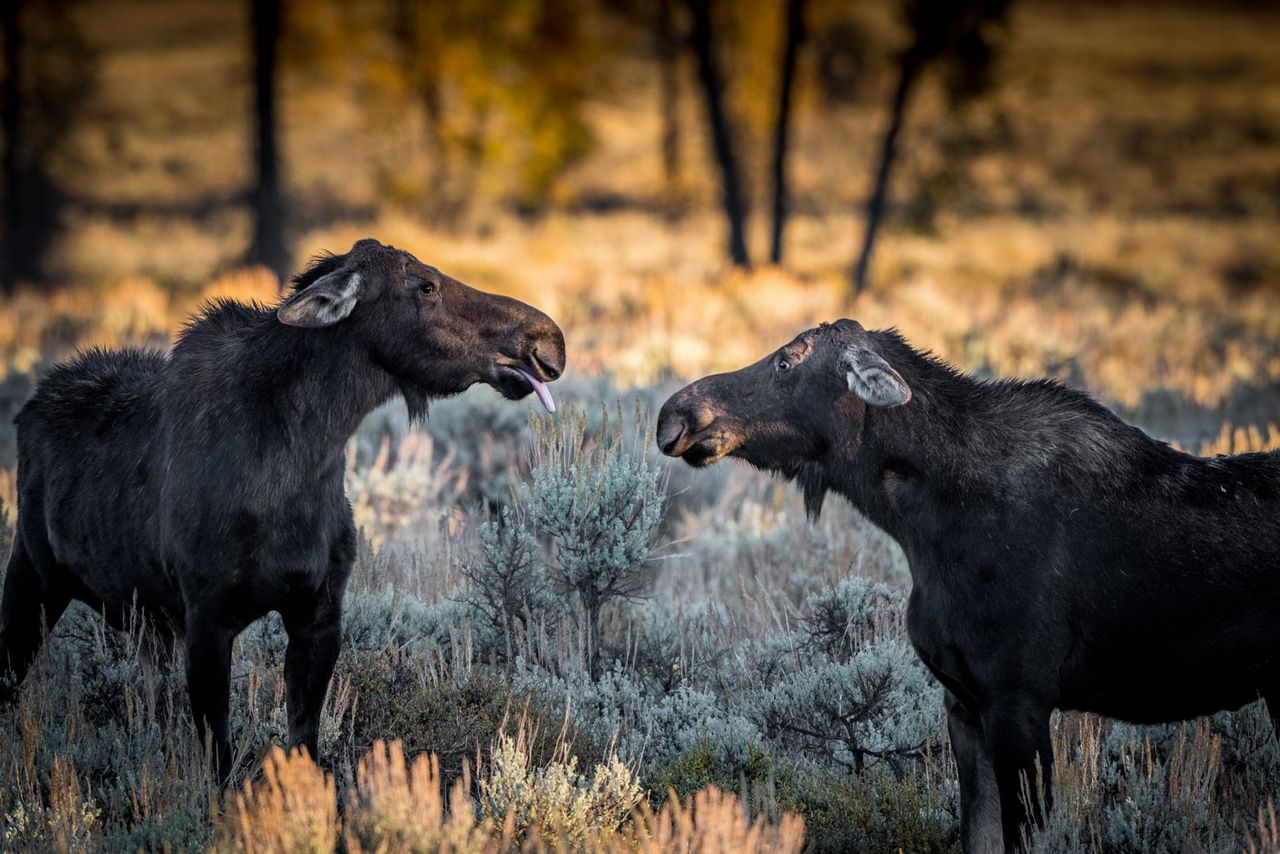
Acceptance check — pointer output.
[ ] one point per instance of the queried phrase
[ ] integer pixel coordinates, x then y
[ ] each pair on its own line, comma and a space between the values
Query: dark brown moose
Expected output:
1059, 557
206, 485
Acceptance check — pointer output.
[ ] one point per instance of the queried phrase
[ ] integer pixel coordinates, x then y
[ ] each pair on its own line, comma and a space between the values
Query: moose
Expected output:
1059, 557
205, 486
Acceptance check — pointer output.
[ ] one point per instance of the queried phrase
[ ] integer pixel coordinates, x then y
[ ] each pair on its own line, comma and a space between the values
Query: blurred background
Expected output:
1089, 190
1083, 190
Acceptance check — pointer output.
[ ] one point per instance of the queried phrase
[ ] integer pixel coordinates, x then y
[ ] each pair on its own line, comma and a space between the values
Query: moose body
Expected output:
205, 486
1059, 557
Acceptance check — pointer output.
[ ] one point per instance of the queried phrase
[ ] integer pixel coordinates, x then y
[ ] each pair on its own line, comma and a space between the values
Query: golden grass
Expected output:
1266, 839
1096, 304
1241, 440
712, 822
1111, 194
399, 805
294, 807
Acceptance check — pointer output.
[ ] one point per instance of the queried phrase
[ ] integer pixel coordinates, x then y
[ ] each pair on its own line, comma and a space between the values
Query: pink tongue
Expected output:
541, 390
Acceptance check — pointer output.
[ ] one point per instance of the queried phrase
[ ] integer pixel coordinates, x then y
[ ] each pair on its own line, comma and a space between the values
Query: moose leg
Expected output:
28, 612
315, 635
209, 685
1017, 737
980, 831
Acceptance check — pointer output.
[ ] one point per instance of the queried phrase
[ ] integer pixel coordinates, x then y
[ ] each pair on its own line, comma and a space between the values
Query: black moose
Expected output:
1059, 557
205, 486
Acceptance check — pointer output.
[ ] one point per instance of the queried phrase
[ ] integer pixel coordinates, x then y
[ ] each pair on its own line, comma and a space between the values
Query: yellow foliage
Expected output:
293, 808
399, 806
1241, 440
713, 822
69, 817
556, 801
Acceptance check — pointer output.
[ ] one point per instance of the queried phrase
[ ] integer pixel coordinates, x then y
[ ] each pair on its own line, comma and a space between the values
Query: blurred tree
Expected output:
666, 43
794, 35
556, 60
48, 73
415, 28
268, 246
722, 139
11, 116
843, 49
952, 30
498, 89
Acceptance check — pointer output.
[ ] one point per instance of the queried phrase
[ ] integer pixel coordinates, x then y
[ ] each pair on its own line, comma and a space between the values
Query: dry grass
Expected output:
1241, 440
293, 807
399, 805
1047, 311
1266, 839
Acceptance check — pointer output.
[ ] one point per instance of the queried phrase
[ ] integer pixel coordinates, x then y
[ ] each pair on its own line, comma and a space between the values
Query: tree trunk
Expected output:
782, 129
421, 69
721, 135
591, 609
911, 63
668, 68
268, 247
11, 116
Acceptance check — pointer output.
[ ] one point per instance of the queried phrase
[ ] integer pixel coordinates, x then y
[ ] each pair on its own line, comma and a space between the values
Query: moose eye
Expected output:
426, 288
784, 365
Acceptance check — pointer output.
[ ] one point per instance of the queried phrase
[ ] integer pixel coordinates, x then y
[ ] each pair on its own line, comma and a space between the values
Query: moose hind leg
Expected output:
28, 612
980, 831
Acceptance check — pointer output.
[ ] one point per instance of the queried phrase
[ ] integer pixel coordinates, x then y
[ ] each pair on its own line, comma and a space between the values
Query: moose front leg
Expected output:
315, 635
209, 685
980, 831
1016, 730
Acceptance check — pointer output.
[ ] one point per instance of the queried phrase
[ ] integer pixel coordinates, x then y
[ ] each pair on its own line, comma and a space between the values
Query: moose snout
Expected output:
680, 421
550, 359
669, 432
544, 351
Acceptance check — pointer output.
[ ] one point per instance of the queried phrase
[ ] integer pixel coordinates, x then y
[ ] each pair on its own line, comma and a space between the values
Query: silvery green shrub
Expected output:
671, 646
878, 706
643, 724
851, 687
506, 593
599, 503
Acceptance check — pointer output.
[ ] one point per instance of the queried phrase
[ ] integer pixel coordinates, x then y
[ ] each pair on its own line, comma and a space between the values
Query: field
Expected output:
1106, 214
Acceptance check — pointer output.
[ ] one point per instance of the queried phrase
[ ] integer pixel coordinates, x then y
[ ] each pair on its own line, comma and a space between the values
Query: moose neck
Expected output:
961, 446
906, 459
335, 385
299, 393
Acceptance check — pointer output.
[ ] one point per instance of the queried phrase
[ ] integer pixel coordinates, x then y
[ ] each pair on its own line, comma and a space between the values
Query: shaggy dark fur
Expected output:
206, 485
1060, 558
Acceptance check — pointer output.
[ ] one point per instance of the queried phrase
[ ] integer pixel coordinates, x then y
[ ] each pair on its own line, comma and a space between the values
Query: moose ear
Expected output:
871, 378
323, 302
